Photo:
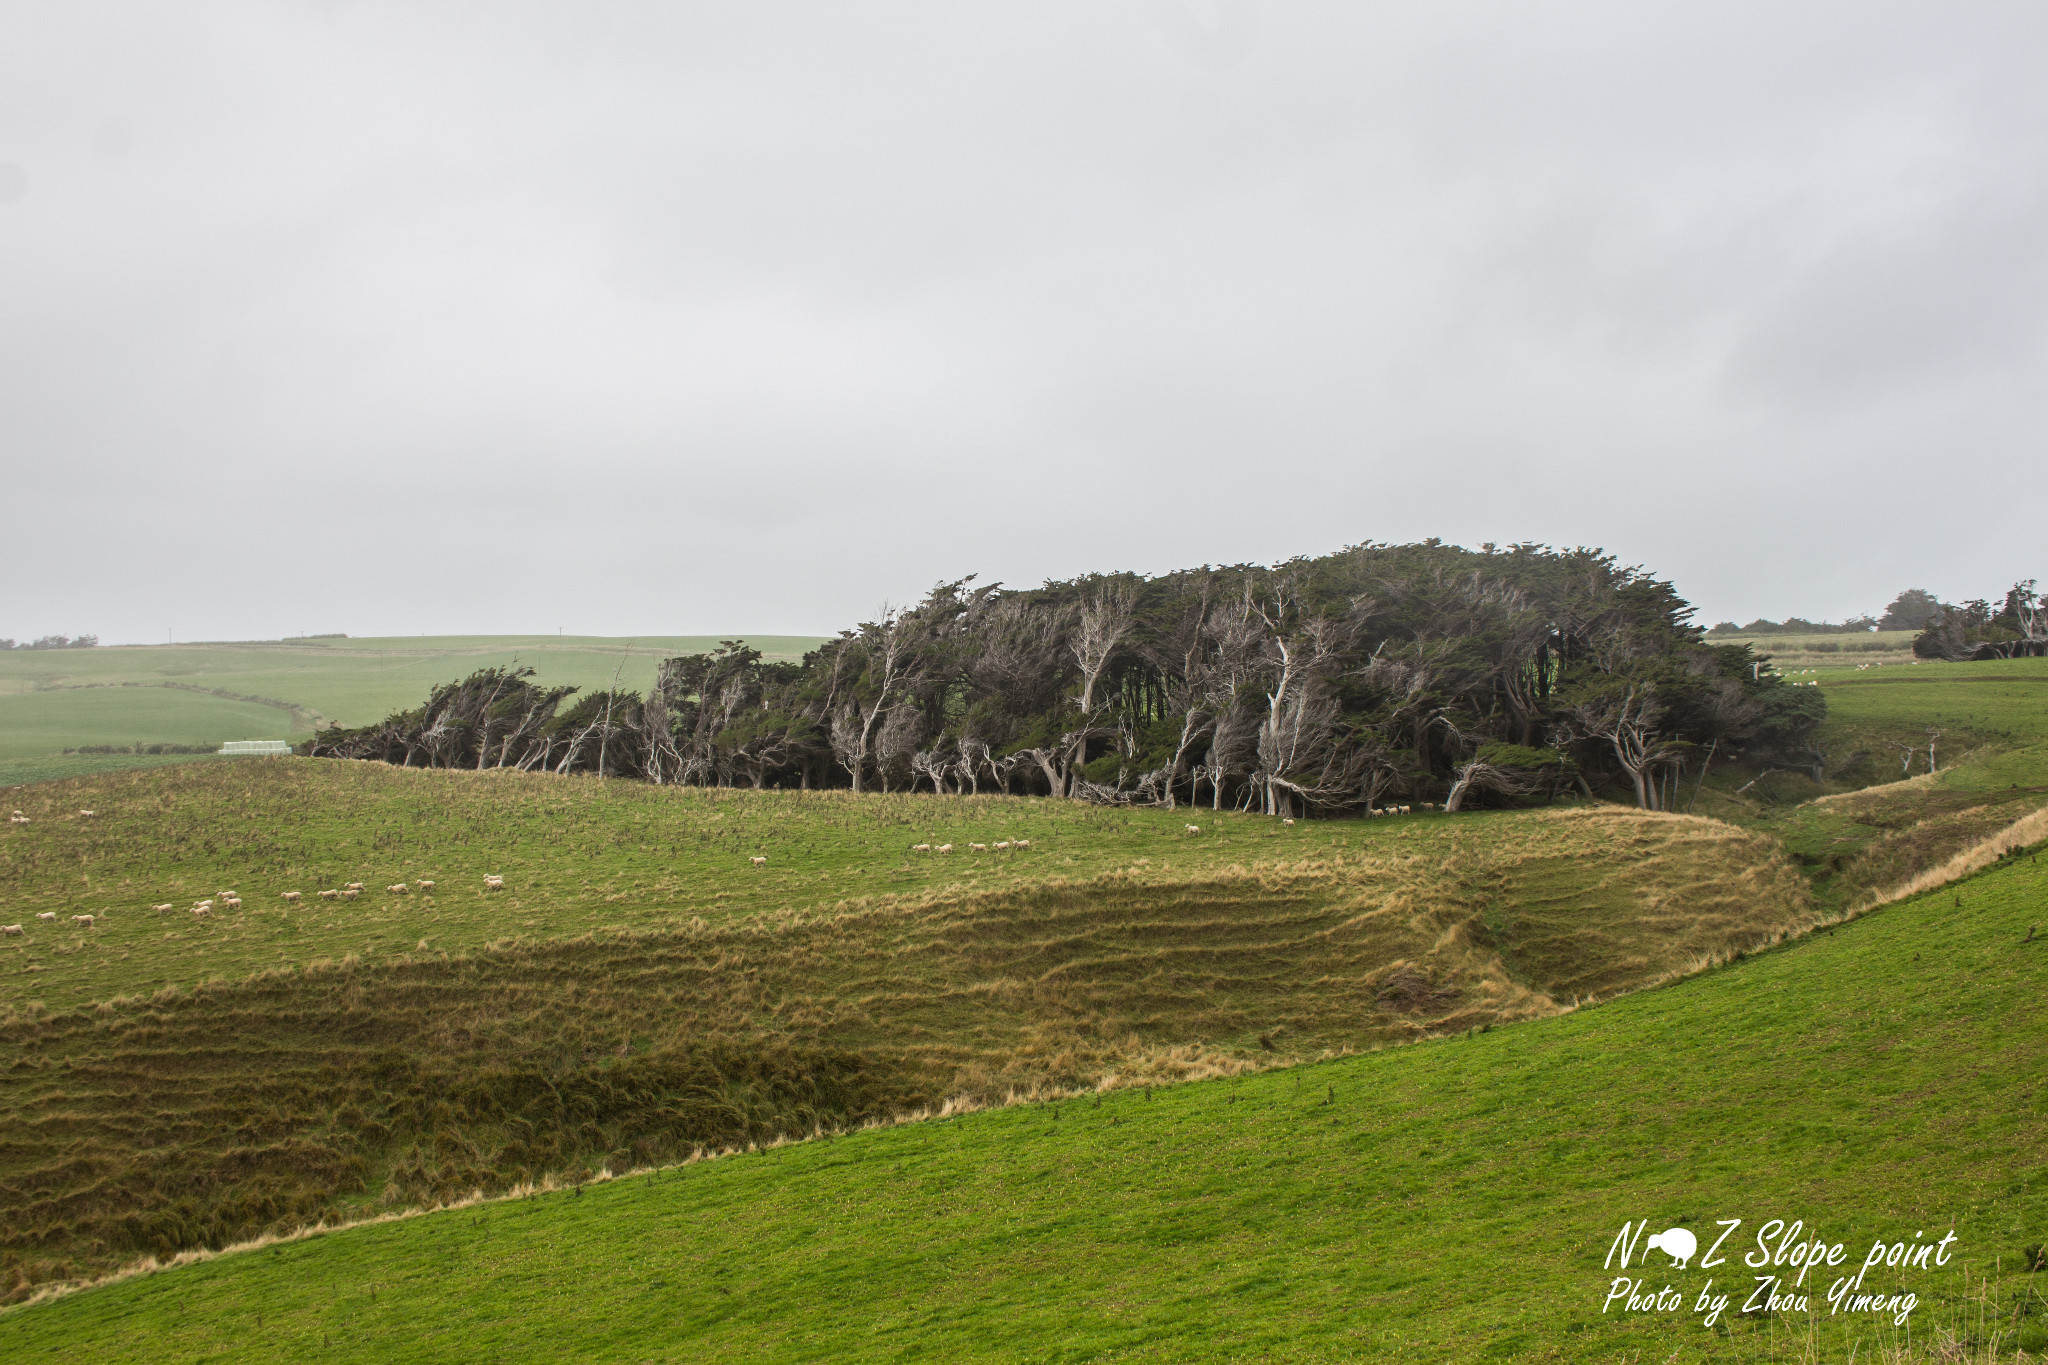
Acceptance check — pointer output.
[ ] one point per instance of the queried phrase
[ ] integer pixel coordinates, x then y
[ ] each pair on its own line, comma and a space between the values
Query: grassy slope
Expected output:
607, 857
846, 980
1448, 1201
586, 857
19, 772
350, 681
1993, 748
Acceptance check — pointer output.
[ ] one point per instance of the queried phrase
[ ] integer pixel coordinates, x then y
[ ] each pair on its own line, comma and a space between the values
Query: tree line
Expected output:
1379, 674
53, 642
2016, 628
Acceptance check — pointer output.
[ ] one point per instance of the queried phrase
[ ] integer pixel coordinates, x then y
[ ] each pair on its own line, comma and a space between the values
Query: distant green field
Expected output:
79, 700
41, 723
1452, 1201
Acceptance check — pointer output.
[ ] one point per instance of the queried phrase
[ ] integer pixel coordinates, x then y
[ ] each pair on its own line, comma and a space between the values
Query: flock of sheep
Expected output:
231, 900
1004, 847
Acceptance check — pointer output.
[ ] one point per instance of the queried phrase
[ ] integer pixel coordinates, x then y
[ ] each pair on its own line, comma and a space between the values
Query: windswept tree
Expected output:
1318, 686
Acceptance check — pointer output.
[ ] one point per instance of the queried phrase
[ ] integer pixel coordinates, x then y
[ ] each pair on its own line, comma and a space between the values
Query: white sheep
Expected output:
397, 888
164, 909
1288, 820
333, 895
920, 848
48, 915
1003, 847
759, 862
944, 848
292, 897
1022, 843
426, 887
977, 848
1194, 829
87, 814
14, 929
86, 920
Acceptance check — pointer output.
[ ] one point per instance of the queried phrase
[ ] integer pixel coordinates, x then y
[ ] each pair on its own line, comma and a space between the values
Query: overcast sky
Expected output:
662, 318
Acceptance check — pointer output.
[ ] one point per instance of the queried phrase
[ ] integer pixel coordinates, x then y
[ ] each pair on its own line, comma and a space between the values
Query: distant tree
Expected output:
1910, 610
2018, 629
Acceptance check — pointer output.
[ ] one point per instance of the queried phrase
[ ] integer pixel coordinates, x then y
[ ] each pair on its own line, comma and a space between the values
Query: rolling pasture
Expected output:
391, 1049
1450, 1201
1204, 1149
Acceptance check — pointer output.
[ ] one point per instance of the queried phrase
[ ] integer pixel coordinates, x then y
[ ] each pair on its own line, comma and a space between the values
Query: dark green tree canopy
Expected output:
1380, 673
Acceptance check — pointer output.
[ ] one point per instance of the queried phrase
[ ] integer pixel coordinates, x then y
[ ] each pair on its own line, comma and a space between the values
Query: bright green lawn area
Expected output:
1448, 1201
36, 724
352, 682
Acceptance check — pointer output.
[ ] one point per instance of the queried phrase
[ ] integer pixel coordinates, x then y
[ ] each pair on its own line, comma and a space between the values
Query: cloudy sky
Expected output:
666, 318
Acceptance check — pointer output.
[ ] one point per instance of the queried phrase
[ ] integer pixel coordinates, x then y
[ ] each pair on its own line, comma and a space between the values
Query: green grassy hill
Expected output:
391, 1048
642, 995
1448, 1201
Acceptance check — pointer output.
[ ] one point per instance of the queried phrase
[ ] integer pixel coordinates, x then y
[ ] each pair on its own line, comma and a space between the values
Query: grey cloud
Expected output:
772, 312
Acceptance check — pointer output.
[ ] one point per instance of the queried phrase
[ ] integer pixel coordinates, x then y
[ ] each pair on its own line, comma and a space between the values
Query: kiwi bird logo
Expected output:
1676, 1243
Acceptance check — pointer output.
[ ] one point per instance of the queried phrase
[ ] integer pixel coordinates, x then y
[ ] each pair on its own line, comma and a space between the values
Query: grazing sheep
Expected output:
977, 848
1288, 820
50, 915
202, 911
493, 882
17, 819
350, 893
397, 888
426, 887
354, 886
164, 909
759, 862
231, 902
945, 848
10, 929
920, 848
1023, 843
1003, 847
86, 920
1404, 810
87, 814
330, 895
292, 896
1194, 829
